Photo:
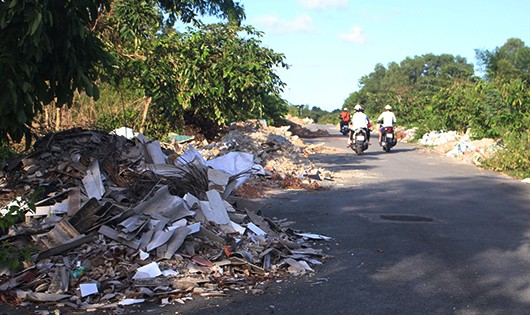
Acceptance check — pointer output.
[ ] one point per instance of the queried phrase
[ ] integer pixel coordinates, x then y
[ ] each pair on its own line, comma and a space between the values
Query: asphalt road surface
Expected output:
413, 233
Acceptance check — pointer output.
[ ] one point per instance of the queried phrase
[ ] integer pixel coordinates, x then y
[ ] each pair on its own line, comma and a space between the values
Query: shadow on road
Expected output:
472, 258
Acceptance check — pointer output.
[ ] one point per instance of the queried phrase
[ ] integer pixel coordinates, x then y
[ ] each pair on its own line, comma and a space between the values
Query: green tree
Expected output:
510, 61
47, 51
410, 85
212, 74
50, 49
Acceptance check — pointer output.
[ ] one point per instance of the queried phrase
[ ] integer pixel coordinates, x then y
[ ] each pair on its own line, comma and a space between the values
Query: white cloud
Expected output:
273, 24
355, 35
324, 4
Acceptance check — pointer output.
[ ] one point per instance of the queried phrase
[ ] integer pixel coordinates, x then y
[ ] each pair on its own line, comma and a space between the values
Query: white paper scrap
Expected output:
125, 132
88, 289
254, 228
130, 301
239, 229
143, 255
314, 236
148, 271
194, 228
169, 272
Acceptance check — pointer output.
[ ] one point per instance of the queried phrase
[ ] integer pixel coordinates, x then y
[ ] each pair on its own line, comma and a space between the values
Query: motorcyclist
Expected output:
386, 119
344, 117
359, 120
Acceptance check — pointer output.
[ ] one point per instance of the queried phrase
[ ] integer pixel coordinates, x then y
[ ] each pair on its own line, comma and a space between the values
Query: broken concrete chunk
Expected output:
297, 267
176, 241
216, 212
92, 181
155, 152
217, 179
164, 205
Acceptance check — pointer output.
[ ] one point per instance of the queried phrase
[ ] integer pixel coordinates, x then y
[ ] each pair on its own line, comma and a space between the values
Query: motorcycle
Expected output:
388, 138
345, 130
359, 141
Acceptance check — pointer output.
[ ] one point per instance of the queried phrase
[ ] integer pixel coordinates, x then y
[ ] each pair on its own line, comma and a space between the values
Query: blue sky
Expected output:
331, 44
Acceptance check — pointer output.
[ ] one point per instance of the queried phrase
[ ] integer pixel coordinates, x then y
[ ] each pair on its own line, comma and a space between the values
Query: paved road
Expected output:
413, 233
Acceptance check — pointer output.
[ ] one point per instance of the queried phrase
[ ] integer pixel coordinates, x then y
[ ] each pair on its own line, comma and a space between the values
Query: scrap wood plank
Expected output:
64, 247
241, 262
62, 233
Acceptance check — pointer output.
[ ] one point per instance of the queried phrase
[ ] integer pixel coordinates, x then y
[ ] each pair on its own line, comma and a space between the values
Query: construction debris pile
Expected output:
282, 154
454, 144
120, 220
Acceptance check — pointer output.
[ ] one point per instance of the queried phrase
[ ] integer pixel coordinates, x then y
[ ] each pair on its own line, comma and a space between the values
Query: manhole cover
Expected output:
405, 217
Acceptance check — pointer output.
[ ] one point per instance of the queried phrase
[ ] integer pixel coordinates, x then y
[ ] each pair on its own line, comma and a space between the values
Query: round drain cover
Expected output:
405, 217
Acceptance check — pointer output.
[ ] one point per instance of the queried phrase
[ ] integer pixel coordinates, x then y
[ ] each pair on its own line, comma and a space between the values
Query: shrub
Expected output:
514, 156
10, 255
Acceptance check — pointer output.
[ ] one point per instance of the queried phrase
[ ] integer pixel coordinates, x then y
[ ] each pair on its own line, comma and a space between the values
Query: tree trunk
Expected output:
46, 117
144, 115
57, 118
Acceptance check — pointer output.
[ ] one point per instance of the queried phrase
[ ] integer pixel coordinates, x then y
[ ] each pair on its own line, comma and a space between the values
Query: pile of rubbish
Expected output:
406, 135
118, 219
281, 153
454, 144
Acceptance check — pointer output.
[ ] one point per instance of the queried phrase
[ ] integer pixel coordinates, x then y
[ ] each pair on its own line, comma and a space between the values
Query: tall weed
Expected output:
514, 156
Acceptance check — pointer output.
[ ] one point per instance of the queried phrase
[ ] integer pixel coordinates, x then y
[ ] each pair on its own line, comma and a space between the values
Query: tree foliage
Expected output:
409, 85
222, 75
47, 51
51, 49
510, 61
208, 76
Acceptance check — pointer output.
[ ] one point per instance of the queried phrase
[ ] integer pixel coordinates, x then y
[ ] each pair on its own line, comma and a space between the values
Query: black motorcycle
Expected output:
388, 138
345, 130
359, 141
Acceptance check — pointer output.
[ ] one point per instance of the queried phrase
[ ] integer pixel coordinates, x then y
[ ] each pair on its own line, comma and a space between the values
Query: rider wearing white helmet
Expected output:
359, 120
386, 119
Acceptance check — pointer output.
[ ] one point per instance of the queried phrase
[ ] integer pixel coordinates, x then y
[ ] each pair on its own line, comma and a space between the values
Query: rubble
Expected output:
283, 155
123, 220
406, 135
454, 144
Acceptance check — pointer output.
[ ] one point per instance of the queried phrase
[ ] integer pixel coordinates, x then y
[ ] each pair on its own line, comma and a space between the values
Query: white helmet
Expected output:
358, 107
388, 107
345, 109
